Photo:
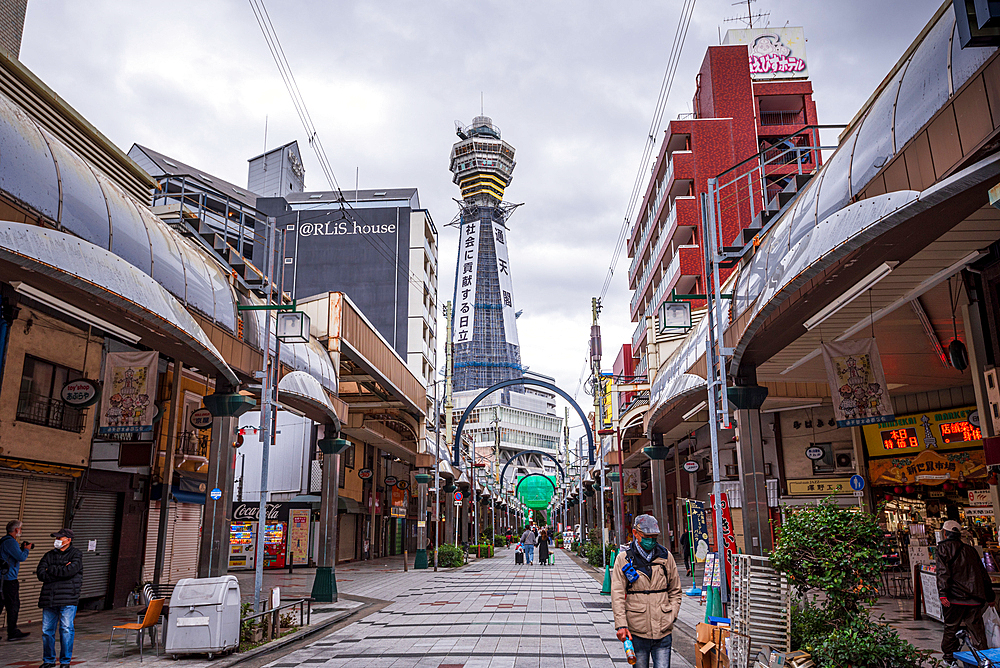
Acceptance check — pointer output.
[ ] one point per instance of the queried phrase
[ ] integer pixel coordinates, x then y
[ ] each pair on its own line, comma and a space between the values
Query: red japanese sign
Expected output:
728, 538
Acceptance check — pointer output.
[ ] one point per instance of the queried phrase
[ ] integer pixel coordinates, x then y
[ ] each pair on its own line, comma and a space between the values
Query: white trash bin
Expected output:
204, 616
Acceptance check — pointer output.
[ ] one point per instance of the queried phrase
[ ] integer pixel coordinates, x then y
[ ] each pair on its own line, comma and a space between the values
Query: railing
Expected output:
673, 269
640, 331
649, 218
305, 615
665, 234
49, 412
192, 443
782, 117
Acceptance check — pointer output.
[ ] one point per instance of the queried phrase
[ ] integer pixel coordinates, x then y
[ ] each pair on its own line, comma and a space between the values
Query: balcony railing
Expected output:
640, 331
192, 444
647, 225
782, 117
665, 234
49, 412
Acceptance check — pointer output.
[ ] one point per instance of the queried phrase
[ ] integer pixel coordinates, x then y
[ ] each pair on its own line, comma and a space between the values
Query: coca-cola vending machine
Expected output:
243, 534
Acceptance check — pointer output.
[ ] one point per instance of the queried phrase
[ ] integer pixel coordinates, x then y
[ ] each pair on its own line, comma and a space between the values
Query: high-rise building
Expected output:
486, 348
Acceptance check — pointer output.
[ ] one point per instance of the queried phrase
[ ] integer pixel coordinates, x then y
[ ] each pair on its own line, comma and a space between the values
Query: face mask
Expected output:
57, 543
647, 543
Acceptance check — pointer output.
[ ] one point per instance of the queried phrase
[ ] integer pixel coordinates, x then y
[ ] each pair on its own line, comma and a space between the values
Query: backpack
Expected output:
4, 565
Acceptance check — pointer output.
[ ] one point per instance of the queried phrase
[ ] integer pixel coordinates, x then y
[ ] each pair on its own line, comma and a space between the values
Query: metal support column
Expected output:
750, 455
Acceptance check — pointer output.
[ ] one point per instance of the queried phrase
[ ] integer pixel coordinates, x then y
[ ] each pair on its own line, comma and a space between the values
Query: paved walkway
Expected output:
490, 614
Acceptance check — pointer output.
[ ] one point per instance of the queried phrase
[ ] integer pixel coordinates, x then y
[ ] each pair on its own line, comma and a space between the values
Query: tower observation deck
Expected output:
486, 347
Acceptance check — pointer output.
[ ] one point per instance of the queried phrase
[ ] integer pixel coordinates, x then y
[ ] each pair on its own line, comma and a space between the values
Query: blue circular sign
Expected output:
216, 494
857, 483
458, 496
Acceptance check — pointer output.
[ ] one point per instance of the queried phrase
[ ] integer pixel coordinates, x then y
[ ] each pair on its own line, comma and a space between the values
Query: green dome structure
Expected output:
536, 490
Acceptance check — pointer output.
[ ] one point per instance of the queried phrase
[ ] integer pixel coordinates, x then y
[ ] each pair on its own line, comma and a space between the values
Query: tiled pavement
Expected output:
490, 614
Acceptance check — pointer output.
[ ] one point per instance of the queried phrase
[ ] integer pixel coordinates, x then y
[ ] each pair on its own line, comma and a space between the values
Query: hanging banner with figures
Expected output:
631, 482
506, 285
698, 530
465, 282
728, 537
128, 403
928, 468
857, 384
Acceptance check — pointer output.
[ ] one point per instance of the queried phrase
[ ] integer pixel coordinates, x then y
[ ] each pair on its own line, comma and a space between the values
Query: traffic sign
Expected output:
458, 497
216, 494
857, 483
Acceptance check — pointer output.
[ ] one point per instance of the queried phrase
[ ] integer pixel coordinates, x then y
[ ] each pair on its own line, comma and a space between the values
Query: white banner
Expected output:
506, 285
128, 400
857, 384
465, 282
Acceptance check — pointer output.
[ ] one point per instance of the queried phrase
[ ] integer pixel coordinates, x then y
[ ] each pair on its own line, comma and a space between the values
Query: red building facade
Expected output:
750, 99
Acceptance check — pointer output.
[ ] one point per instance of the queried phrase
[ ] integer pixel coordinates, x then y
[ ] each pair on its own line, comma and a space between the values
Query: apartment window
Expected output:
40, 401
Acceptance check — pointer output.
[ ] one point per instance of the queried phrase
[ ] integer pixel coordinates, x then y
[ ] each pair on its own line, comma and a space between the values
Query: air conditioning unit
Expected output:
993, 395
843, 458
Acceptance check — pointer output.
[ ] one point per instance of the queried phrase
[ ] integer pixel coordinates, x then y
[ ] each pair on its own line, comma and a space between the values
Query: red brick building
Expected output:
751, 95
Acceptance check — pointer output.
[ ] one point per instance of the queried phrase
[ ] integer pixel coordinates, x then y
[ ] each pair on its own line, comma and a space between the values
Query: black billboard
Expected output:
362, 252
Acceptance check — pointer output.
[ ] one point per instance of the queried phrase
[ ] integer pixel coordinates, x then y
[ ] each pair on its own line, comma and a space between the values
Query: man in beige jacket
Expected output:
646, 594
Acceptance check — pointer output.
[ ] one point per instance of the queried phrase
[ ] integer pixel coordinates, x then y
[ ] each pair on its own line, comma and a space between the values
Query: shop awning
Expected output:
102, 285
304, 393
349, 505
678, 393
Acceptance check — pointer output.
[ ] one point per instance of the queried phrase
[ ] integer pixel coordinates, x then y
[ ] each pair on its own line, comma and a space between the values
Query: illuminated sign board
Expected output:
951, 429
775, 53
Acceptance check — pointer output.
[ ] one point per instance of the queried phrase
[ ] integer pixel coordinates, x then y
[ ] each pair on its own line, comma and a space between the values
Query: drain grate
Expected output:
597, 605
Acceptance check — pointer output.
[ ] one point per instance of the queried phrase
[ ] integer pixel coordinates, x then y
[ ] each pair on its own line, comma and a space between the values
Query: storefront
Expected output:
929, 467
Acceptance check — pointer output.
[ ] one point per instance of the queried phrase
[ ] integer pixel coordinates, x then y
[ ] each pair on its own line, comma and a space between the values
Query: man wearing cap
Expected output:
61, 573
646, 594
965, 590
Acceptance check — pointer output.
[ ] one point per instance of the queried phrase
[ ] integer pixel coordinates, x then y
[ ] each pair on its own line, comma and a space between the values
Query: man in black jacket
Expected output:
965, 590
61, 573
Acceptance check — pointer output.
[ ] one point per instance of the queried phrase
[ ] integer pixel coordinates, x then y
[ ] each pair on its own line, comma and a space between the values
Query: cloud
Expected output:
572, 85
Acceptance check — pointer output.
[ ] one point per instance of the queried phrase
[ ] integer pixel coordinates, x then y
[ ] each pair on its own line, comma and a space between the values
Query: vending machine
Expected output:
274, 545
242, 548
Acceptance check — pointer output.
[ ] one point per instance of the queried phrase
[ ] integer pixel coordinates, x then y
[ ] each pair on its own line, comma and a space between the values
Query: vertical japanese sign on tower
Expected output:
506, 285
465, 309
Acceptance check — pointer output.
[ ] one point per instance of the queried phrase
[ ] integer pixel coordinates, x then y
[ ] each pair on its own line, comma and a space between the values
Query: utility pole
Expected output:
595, 361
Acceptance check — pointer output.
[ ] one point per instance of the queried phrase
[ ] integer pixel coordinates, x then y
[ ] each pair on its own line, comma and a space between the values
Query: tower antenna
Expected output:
750, 16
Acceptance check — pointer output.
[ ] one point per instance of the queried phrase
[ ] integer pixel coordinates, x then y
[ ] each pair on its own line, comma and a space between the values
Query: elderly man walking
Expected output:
646, 594
528, 542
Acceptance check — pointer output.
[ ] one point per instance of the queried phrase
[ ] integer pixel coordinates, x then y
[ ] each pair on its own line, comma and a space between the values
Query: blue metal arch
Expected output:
521, 381
532, 452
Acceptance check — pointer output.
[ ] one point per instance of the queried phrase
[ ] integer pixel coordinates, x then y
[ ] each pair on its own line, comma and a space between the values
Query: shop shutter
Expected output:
186, 530
347, 530
11, 491
43, 513
94, 522
183, 538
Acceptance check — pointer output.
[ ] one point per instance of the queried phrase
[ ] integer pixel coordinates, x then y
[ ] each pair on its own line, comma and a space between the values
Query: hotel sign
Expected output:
775, 53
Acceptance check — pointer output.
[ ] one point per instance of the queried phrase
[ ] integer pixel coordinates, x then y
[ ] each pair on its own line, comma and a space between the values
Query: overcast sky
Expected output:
572, 85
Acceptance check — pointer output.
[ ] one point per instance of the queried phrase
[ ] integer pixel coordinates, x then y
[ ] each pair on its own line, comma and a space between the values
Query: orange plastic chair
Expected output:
151, 619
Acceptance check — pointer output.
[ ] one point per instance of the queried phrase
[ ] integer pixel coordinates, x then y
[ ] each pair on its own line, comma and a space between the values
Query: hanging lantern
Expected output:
948, 486
910, 489
897, 489
888, 497
992, 479
962, 484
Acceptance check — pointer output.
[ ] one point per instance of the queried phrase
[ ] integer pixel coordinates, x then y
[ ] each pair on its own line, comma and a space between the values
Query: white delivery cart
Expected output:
204, 616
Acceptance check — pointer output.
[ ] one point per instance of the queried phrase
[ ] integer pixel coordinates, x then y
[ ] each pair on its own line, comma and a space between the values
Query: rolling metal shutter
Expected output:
183, 540
347, 523
94, 521
40, 503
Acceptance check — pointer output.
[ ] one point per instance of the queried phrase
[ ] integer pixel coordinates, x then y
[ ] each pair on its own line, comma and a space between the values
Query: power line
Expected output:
680, 35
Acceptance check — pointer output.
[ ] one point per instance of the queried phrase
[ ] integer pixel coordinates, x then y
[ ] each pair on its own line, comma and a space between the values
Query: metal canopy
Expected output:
106, 286
301, 392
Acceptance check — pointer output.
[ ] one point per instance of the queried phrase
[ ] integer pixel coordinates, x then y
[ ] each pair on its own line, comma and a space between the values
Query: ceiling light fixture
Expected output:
852, 293
694, 411
74, 312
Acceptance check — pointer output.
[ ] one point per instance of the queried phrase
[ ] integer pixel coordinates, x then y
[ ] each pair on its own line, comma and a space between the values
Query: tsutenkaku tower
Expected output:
485, 322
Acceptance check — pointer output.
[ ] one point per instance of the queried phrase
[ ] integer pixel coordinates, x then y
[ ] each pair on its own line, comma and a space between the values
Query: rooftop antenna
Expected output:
482, 104
750, 16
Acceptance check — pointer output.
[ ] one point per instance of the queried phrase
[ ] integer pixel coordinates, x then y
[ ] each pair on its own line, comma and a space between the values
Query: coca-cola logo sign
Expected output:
250, 512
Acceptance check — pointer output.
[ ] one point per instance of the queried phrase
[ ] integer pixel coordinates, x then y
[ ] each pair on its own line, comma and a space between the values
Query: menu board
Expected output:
932, 599
298, 536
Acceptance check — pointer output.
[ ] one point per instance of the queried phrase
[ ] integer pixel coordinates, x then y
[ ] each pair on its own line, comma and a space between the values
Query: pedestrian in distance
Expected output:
646, 594
61, 574
543, 548
686, 551
965, 590
528, 542
11, 555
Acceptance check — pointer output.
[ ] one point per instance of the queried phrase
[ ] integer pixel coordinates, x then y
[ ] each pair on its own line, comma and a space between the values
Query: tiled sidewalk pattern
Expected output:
490, 614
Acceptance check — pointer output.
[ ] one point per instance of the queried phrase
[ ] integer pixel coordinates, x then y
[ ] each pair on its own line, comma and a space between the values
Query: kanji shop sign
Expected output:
819, 486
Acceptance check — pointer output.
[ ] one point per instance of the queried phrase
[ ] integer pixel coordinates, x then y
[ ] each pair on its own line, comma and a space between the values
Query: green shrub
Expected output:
833, 549
838, 551
499, 541
450, 556
593, 554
